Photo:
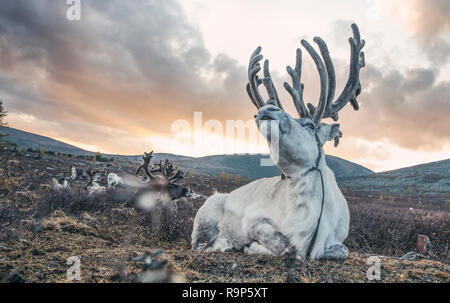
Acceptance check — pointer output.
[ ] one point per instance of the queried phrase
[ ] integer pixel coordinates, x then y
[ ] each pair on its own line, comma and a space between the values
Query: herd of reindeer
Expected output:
160, 176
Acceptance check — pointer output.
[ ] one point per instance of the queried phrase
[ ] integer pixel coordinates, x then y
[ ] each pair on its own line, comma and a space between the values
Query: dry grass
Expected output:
393, 231
40, 229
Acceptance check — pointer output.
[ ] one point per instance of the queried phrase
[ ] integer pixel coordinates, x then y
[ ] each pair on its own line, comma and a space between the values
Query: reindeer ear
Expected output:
327, 132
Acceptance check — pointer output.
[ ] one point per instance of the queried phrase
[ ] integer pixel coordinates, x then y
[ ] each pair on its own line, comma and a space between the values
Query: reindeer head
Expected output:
299, 139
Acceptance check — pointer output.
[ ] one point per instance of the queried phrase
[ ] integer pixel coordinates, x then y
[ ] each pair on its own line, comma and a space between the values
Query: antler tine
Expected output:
272, 92
249, 92
147, 158
353, 87
296, 91
177, 176
323, 81
330, 71
253, 81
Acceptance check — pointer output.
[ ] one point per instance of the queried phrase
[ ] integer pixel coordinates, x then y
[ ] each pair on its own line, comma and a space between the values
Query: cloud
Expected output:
129, 68
133, 66
430, 18
409, 109
429, 22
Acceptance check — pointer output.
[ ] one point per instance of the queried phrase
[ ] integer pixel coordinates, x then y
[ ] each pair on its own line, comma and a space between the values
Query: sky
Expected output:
129, 75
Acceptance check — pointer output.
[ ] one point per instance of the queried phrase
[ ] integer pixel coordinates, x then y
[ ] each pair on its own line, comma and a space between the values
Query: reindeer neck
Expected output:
307, 180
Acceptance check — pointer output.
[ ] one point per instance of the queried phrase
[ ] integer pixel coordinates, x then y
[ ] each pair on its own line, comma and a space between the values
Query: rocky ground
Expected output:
41, 229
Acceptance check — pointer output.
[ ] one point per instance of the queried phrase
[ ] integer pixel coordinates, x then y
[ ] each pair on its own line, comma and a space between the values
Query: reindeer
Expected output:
93, 178
114, 181
303, 213
66, 182
163, 176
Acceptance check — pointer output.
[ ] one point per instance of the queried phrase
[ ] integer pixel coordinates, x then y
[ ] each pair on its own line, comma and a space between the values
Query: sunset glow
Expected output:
117, 80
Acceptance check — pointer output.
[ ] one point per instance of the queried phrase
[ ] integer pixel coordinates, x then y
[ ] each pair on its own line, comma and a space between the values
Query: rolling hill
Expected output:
246, 165
425, 179
29, 140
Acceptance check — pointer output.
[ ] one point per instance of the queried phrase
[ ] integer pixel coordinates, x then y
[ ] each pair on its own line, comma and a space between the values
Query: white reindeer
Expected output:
304, 212
114, 180
66, 182
93, 178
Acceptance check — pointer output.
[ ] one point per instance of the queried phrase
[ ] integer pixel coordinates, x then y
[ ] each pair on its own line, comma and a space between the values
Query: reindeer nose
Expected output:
254, 116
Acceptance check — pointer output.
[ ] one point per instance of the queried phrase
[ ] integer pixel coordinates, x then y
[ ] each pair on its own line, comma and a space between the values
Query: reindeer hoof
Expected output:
289, 252
336, 252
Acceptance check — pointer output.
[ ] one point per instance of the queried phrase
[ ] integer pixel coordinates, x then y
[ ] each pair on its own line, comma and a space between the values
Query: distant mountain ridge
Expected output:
246, 165
430, 179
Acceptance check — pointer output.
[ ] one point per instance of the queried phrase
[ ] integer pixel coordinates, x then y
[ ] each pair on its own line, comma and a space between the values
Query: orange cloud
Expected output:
128, 69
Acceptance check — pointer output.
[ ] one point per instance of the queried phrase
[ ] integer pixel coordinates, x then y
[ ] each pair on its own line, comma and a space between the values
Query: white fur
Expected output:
114, 180
62, 184
96, 188
251, 217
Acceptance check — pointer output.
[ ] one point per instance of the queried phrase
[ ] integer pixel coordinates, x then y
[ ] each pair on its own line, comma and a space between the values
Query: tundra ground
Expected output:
40, 229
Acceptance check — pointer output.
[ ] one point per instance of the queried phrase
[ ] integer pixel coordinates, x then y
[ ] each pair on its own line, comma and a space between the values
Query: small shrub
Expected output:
431, 178
75, 200
190, 172
94, 158
237, 179
9, 214
174, 222
225, 177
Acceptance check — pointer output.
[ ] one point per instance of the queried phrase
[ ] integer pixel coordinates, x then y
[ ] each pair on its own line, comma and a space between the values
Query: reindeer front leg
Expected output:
266, 234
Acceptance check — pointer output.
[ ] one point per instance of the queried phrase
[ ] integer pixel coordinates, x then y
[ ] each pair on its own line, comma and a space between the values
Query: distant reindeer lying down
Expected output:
90, 176
304, 212
159, 177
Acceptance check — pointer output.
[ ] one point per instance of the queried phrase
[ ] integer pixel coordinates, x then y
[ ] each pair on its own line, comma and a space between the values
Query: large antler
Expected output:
147, 157
326, 108
353, 87
168, 171
296, 91
254, 82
